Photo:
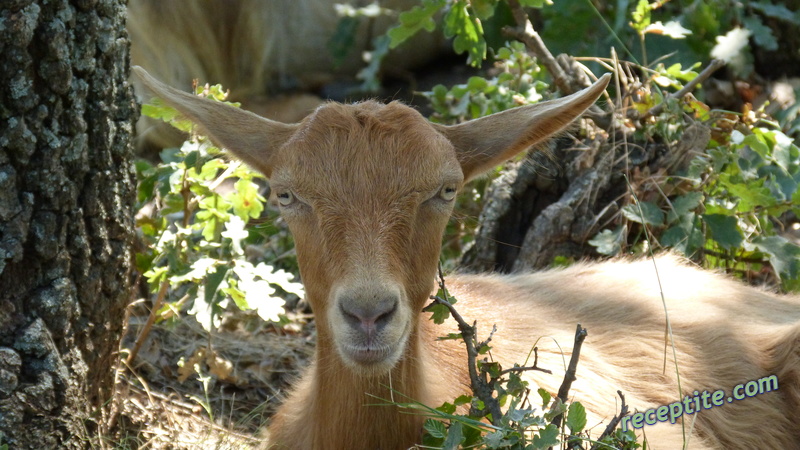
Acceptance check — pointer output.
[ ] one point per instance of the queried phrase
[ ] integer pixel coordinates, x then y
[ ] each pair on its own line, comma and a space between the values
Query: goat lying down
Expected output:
367, 190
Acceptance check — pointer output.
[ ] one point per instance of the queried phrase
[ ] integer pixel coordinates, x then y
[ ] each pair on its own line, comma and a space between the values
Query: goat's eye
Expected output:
285, 198
448, 193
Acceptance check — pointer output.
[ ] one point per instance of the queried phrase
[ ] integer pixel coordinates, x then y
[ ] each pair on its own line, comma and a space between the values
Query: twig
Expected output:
535, 365
569, 377
612, 425
481, 387
525, 33
162, 293
715, 65
566, 82
482, 384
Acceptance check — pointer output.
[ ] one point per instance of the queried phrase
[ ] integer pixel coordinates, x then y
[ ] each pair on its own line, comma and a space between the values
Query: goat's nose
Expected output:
370, 316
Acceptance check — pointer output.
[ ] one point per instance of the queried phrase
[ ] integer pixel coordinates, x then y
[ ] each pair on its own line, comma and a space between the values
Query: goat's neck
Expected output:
357, 407
327, 408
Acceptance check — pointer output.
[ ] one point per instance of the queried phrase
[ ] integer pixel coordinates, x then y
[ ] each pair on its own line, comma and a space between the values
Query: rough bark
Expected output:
540, 208
66, 187
553, 202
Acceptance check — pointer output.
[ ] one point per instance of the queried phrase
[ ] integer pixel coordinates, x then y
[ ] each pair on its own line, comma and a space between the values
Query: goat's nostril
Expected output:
384, 317
369, 316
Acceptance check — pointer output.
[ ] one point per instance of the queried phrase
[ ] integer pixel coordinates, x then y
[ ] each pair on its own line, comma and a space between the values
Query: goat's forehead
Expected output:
368, 143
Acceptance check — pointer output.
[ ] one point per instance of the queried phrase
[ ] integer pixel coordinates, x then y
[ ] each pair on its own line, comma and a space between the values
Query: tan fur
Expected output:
366, 190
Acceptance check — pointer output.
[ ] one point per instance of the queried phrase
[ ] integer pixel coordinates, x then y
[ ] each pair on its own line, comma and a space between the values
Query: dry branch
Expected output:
525, 33
612, 425
151, 319
482, 384
569, 376
715, 65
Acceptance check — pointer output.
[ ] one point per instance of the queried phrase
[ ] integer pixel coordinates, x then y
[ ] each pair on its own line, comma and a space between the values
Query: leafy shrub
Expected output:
195, 207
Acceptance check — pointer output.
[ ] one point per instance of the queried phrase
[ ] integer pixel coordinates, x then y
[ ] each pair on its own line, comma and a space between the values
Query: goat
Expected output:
367, 190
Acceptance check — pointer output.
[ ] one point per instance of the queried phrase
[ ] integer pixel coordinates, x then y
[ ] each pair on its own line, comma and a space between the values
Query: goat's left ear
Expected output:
486, 142
251, 138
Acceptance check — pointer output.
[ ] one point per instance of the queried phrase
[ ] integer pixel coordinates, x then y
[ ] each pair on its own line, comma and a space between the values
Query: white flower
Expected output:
199, 270
234, 230
259, 298
672, 29
731, 45
280, 278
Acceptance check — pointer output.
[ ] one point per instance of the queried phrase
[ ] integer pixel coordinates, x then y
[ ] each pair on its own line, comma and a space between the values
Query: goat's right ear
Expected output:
250, 137
486, 142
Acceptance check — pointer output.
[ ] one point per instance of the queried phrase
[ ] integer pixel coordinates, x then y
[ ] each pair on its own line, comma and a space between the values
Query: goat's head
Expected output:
367, 190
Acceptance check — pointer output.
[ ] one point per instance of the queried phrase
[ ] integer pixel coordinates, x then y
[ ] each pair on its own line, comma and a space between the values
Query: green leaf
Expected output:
494, 439
784, 256
172, 203
641, 16
418, 18
450, 336
576, 418
435, 428
440, 313
343, 39
609, 242
516, 386
780, 12
484, 9
468, 32
238, 297
684, 204
686, 236
751, 195
762, 34
213, 281
463, 400
650, 214
369, 74
724, 230
455, 436
547, 437
546, 397
535, 3
447, 408
757, 142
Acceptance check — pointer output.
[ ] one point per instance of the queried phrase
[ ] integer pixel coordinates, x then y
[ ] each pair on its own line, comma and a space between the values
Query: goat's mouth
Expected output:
374, 356
369, 356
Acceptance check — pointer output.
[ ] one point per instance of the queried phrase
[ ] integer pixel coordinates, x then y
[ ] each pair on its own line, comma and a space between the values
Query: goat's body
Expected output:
725, 333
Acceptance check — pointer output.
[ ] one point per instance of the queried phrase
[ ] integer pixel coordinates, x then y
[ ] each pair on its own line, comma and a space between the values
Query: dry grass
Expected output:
191, 389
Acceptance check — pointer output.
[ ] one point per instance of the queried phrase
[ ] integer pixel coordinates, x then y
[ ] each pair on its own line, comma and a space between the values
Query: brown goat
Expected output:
367, 190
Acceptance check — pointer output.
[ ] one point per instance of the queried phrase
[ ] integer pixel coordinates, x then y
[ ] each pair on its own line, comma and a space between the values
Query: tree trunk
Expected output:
553, 202
66, 196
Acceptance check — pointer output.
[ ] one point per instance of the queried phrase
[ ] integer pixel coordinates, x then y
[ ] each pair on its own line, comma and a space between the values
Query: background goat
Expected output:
266, 52
367, 190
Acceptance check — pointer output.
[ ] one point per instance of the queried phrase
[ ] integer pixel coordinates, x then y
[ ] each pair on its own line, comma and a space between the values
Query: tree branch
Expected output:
612, 425
715, 65
535, 365
483, 385
569, 376
525, 33
564, 78
151, 319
